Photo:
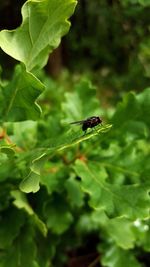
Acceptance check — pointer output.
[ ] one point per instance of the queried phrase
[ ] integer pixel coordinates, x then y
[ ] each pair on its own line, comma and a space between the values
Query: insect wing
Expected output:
77, 122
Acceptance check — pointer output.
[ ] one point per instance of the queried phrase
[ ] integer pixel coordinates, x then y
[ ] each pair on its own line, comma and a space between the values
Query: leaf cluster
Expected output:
58, 184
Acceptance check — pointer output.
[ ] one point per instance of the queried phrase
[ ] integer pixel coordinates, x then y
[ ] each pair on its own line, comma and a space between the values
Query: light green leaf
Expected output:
131, 201
25, 134
30, 183
142, 233
73, 138
75, 105
117, 257
20, 97
121, 231
21, 201
44, 22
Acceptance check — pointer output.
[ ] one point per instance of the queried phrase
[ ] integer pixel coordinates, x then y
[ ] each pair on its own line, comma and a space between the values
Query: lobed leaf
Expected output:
131, 201
133, 108
44, 22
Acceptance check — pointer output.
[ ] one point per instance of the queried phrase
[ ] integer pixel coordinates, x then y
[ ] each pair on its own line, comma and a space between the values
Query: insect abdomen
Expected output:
85, 126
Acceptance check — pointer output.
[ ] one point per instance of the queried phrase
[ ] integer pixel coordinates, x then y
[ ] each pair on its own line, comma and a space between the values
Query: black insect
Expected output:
89, 122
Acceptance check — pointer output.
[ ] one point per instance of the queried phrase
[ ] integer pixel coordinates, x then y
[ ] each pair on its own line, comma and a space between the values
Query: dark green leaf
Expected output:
20, 96
22, 253
58, 216
11, 222
21, 202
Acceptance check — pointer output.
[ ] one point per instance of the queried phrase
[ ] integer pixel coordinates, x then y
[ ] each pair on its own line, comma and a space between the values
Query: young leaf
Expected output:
43, 24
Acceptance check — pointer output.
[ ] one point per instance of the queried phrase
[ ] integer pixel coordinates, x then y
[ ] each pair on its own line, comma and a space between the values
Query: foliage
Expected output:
58, 184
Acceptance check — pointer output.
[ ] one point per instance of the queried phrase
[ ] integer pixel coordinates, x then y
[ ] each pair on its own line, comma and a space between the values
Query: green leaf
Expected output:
142, 233
127, 110
58, 216
7, 158
75, 195
21, 202
11, 222
25, 134
4, 196
92, 222
75, 105
7, 149
133, 108
73, 138
20, 97
144, 54
121, 231
22, 253
53, 177
43, 25
131, 201
117, 257
32, 181
143, 100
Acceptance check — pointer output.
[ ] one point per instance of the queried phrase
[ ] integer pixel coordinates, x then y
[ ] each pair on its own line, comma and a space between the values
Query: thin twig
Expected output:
94, 262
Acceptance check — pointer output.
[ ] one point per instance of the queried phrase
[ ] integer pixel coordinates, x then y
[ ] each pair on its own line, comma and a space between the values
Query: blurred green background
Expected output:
109, 41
